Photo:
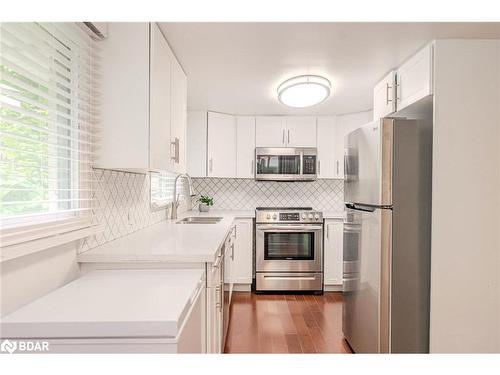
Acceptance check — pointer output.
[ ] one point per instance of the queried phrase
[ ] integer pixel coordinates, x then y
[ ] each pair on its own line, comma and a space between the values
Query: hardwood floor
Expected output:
286, 323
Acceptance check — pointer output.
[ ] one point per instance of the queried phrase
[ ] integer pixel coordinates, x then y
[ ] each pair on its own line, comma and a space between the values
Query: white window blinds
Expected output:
47, 104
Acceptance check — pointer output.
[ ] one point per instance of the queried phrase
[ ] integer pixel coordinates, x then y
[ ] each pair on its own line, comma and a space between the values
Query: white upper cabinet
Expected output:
221, 145
406, 85
160, 101
179, 118
326, 143
197, 143
333, 251
414, 78
270, 131
144, 100
301, 131
384, 102
346, 124
245, 146
280, 131
124, 117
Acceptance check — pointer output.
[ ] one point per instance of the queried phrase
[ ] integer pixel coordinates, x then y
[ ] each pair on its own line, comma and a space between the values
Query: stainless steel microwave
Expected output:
286, 163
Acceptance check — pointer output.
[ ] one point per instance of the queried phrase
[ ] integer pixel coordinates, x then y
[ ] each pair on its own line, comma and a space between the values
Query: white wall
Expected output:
26, 278
465, 290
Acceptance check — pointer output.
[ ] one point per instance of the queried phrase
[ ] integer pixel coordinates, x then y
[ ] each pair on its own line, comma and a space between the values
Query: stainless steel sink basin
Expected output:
200, 220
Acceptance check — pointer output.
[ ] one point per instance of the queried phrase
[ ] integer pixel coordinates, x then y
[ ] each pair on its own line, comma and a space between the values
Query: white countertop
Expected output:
169, 242
333, 215
118, 303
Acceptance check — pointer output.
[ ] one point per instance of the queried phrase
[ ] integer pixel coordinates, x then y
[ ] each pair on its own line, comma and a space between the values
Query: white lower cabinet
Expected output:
215, 279
193, 333
241, 260
333, 250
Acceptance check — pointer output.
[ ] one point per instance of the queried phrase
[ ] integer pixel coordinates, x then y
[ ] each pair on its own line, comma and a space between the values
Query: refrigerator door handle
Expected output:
352, 206
367, 207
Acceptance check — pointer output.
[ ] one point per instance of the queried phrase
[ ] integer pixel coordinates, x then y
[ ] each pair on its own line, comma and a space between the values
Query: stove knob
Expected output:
304, 216
268, 216
310, 216
275, 217
316, 216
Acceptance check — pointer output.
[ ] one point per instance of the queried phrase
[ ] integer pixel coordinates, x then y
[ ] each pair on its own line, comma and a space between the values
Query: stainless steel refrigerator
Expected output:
386, 264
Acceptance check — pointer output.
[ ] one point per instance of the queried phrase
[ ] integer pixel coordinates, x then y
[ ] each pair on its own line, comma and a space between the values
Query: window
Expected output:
46, 115
162, 189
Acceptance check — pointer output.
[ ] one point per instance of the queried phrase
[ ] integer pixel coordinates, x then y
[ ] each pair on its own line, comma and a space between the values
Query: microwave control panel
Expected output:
309, 164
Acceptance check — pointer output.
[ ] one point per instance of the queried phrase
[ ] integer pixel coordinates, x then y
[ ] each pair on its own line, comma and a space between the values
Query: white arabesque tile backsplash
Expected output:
121, 204
121, 200
246, 194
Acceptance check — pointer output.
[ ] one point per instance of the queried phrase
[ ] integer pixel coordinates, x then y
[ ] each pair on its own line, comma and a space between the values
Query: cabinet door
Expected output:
160, 101
333, 252
301, 131
179, 114
383, 97
213, 300
241, 266
345, 125
270, 131
197, 143
221, 145
124, 109
414, 78
326, 143
245, 146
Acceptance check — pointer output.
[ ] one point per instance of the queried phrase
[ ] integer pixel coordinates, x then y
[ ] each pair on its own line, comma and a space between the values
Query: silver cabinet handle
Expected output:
288, 131
283, 137
175, 143
328, 231
398, 87
251, 167
319, 166
387, 88
210, 165
337, 167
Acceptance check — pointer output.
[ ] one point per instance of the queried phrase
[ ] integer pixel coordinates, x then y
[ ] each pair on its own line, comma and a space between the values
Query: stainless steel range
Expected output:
289, 249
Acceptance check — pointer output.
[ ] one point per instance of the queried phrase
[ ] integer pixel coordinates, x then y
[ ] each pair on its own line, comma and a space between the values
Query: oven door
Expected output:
289, 248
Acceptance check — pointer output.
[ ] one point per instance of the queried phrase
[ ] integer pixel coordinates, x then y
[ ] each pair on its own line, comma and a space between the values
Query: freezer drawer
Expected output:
289, 281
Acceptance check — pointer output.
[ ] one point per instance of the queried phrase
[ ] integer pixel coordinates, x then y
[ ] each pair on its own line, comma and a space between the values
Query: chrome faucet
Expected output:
175, 202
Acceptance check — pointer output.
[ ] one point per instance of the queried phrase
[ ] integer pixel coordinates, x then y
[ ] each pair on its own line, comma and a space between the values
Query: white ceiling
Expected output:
236, 67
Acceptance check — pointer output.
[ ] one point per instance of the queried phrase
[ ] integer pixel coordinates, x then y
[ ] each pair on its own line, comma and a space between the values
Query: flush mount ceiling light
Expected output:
304, 91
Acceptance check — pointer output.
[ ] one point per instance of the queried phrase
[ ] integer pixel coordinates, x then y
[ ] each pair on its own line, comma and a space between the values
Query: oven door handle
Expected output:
286, 228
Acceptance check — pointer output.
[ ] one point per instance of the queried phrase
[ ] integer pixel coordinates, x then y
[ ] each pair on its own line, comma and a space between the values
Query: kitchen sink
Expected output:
200, 220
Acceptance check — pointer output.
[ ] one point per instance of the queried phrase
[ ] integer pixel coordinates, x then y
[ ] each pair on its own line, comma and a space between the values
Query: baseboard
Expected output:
333, 288
242, 287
